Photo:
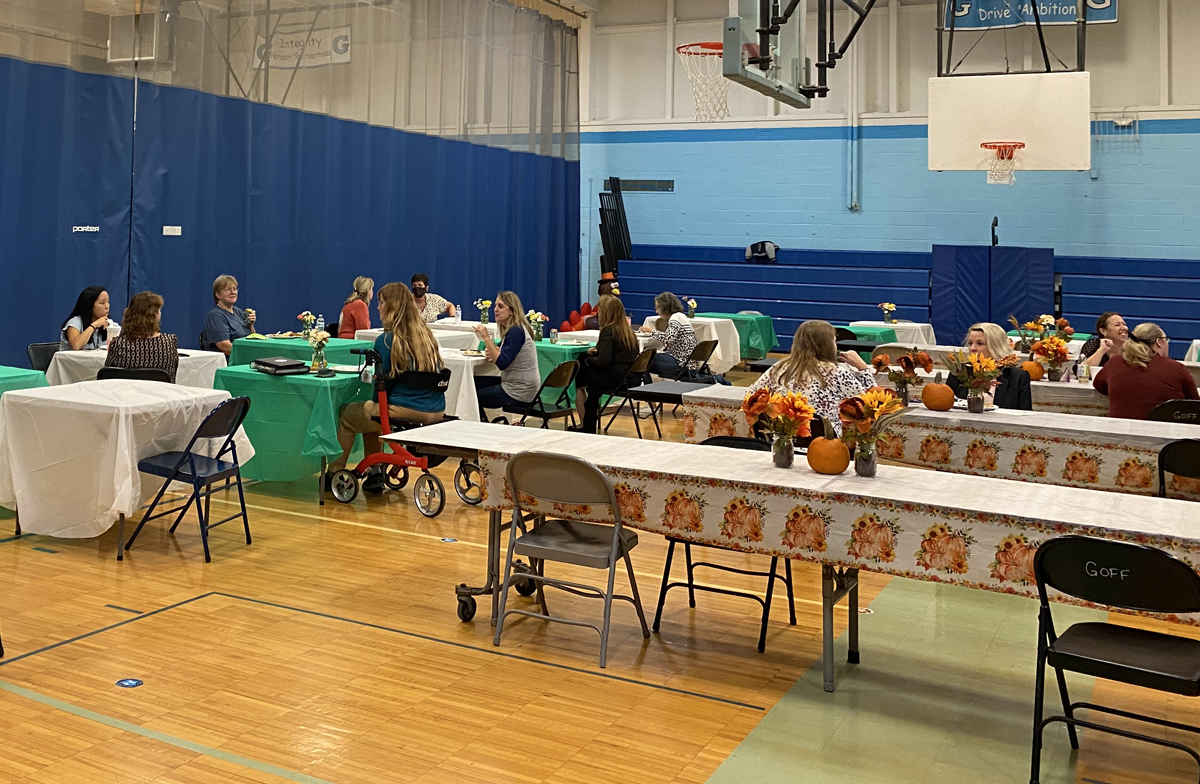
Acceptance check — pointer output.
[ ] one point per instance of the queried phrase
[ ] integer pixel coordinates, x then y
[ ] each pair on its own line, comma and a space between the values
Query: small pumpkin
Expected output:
937, 396
828, 456
1034, 369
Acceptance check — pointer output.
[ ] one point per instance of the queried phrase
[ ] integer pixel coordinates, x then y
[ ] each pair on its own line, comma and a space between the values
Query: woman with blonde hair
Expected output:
141, 344
355, 313
226, 322
516, 358
1143, 376
1011, 389
406, 345
812, 369
607, 364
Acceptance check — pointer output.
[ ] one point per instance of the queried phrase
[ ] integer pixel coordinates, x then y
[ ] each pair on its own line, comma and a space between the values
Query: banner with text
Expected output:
305, 48
984, 14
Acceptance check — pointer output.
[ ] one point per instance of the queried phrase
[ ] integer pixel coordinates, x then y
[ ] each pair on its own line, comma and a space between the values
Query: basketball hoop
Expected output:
710, 89
1002, 170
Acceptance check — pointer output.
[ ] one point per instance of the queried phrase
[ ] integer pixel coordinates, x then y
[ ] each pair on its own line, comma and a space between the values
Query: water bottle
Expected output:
320, 322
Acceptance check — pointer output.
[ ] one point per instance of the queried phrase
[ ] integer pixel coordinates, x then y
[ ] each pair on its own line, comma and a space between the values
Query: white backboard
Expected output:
1050, 113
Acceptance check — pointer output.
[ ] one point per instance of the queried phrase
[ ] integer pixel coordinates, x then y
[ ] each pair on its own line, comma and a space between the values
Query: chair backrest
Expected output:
1183, 411
224, 420
332, 329
642, 363
1116, 574
749, 313
562, 376
891, 349
424, 380
559, 479
660, 324
738, 442
845, 333
703, 351
133, 374
40, 355
1178, 457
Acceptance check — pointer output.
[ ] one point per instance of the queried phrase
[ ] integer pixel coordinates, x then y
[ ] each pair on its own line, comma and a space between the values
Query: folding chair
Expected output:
201, 472
332, 329
733, 442
40, 355
547, 480
699, 358
563, 407
133, 374
1186, 412
1129, 577
1178, 457
844, 333
637, 370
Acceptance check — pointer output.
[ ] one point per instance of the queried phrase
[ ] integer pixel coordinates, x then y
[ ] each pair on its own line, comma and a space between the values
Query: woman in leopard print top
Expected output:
141, 344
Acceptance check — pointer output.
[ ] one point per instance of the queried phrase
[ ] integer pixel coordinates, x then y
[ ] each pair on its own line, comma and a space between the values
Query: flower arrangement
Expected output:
787, 415
906, 376
318, 339
307, 319
1031, 331
483, 305
536, 319
691, 306
888, 309
864, 419
1053, 353
975, 372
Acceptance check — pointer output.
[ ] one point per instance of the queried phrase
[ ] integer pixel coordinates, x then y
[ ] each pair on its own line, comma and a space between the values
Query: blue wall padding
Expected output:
65, 160
960, 290
1022, 283
295, 205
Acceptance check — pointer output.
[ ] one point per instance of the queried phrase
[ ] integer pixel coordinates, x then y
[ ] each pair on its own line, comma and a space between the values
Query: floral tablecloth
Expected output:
1059, 397
966, 530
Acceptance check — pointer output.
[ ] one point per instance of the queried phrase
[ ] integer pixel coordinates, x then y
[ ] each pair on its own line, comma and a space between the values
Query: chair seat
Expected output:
207, 468
582, 544
1136, 656
551, 411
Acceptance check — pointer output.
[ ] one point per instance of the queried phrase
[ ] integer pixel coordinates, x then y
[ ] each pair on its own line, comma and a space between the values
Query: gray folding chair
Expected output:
538, 481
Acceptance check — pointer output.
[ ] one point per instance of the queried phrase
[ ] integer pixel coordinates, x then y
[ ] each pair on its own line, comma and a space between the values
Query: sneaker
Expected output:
374, 483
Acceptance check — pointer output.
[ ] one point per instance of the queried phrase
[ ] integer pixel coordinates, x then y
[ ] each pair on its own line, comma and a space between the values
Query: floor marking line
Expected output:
161, 737
123, 609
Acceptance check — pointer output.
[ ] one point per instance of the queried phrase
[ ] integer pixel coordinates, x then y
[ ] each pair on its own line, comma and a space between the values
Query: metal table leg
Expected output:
321, 482
121, 538
466, 594
836, 583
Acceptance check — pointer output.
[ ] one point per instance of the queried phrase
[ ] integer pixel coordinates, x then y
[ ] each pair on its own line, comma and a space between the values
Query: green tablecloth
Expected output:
882, 334
1012, 333
337, 351
293, 419
20, 378
756, 333
550, 356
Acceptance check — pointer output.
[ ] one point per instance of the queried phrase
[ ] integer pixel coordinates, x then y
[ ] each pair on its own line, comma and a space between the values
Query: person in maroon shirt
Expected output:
1143, 376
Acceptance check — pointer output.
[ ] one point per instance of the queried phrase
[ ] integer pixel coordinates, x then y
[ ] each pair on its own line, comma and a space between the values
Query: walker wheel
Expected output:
429, 495
395, 477
500, 420
526, 587
344, 486
468, 484
466, 608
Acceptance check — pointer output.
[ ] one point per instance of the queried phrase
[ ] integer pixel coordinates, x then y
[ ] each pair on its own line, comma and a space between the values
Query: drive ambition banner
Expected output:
984, 14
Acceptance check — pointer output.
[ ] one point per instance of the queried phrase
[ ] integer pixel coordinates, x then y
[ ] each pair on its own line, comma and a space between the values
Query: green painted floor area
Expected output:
943, 696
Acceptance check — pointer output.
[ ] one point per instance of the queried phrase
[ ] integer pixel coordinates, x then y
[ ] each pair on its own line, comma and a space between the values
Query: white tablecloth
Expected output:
454, 325
461, 400
1193, 352
196, 368
729, 345
909, 334
445, 338
69, 454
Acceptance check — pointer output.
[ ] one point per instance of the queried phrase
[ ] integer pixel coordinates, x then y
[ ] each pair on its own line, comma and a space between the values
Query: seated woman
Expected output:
605, 365
678, 338
141, 344
812, 369
1012, 389
87, 326
226, 322
516, 357
1111, 334
431, 305
407, 344
1143, 376
355, 313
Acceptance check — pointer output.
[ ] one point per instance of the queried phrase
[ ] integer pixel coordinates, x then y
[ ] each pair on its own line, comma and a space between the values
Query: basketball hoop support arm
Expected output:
770, 22
949, 8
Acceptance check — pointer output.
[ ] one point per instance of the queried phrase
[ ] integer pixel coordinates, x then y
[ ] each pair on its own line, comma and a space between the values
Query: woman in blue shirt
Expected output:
87, 326
226, 322
515, 357
406, 345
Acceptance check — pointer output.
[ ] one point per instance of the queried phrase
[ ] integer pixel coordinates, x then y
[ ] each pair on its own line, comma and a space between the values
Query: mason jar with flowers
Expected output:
888, 309
1054, 354
483, 305
786, 415
691, 307
976, 373
537, 321
865, 418
906, 376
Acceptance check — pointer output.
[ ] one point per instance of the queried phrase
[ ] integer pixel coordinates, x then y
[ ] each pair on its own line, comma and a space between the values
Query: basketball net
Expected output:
1002, 170
710, 89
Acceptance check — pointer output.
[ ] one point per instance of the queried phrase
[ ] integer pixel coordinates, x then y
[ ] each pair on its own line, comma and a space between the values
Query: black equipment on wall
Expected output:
614, 228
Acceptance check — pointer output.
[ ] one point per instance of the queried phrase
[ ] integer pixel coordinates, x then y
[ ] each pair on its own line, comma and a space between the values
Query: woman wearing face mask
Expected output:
87, 326
431, 305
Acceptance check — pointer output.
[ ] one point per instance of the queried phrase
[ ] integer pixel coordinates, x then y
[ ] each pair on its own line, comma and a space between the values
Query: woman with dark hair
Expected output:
430, 305
1111, 334
605, 365
1143, 376
87, 326
141, 344
678, 337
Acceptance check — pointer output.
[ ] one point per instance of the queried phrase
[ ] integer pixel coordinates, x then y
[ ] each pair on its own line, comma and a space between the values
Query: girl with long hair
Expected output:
355, 313
406, 345
87, 326
516, 358
141, 343
606, 365
812, 369
1143, 376
1011, 389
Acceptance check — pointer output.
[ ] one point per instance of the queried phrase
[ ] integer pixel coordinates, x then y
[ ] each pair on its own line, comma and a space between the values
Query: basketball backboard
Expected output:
788, 70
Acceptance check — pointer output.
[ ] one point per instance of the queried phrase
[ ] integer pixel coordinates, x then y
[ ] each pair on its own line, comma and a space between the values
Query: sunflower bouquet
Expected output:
866, 417
974, 371
785, 414
906, 376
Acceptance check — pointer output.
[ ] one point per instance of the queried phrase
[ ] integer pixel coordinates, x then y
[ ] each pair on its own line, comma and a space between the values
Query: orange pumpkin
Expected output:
1034, 369
937, 397
828, 456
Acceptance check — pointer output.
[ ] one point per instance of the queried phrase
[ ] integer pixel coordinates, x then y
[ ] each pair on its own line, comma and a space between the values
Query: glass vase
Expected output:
319, 362
783, 451
1055, 373
691, 313
975, 404
483, 316
537, 332
902, 393
865, 460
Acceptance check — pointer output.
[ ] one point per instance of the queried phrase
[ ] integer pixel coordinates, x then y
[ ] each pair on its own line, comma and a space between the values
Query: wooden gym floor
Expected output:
329, 651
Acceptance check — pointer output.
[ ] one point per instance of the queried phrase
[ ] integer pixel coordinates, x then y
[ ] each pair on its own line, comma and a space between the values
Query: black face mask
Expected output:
418, 293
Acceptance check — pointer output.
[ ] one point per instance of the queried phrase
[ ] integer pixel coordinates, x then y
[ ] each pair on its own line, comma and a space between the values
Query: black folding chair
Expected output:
637, 371
734, 442
696, 366
1186, 412
201, 472
332, 329
563, 407
40, 355
1178, 457
133, 374
844, 333
1129, 577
